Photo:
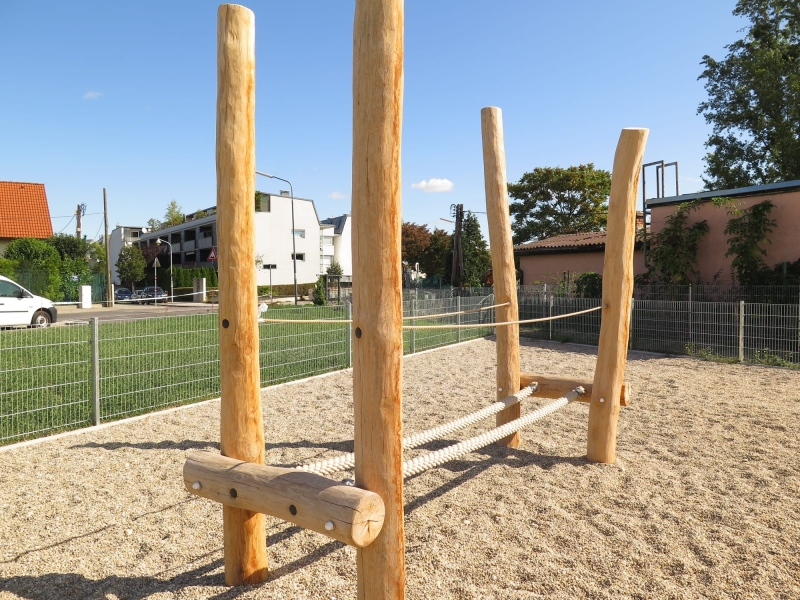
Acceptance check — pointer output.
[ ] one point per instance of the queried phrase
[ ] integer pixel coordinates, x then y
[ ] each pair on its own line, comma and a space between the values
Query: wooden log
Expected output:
612, 349
241, 427
555, 387
377, 285
342, 512
503, 271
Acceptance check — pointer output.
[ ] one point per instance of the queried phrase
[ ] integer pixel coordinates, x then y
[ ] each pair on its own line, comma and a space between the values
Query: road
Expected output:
70, 313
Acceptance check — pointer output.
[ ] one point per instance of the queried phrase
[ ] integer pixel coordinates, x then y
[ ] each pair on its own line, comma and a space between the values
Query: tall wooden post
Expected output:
242, 428
503, 271
377, 285
612, 349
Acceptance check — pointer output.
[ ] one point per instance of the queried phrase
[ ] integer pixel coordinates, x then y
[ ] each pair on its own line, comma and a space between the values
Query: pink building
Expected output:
557, 258
711, 260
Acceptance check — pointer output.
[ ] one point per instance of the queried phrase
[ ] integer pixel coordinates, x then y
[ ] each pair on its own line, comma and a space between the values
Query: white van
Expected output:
19, 307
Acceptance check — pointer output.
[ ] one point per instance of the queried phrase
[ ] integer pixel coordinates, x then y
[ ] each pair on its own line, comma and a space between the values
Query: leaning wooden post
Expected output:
242, 429
617, 291
503, 271
377, 285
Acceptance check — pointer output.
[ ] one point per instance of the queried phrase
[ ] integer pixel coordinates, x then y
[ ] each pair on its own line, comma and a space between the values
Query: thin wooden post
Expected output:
378, 286
617, 292
503, 271
241, 428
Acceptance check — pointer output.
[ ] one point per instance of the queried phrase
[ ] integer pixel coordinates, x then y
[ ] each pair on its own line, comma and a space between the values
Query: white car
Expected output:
19, 307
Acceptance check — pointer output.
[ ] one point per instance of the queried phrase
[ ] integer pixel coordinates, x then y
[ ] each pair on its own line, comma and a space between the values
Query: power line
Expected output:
67, 225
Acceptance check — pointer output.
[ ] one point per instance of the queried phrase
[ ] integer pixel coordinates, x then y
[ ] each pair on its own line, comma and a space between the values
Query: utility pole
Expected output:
78, 214
109, 285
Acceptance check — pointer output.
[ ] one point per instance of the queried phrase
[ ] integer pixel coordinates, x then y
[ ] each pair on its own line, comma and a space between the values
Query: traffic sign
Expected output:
156, 264
213, 254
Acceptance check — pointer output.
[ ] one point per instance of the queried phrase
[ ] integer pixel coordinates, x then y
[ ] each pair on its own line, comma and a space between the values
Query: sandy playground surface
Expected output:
703, 503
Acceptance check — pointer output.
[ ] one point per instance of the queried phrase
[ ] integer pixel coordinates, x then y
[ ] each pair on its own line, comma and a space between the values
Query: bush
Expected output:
320, 298
589, 285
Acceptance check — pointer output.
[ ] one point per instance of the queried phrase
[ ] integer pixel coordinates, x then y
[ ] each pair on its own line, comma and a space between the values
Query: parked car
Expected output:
151, 294
19, 307
137, 296
122, 293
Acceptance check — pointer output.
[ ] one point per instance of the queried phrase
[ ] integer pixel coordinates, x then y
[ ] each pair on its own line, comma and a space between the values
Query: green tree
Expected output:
554, 201
130, 265
477, 260
319, 292
748, 232
753, 101
334, 268
435, 260
672, 252
173, 215
69, 246
37, 257
153, 224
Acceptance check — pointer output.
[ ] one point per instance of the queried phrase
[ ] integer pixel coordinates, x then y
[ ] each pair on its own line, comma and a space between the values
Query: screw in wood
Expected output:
602, 399
197, 485
233, 493
358, 332
293, 509
330, 525
225, 323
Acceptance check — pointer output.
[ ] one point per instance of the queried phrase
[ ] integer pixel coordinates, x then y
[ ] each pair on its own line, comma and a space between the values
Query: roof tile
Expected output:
24, 211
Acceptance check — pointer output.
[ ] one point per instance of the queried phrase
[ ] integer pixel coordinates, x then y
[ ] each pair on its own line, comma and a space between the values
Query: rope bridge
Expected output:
439, 457
446, 325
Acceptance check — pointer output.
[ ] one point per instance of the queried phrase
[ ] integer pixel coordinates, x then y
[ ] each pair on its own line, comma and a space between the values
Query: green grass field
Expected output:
148, 364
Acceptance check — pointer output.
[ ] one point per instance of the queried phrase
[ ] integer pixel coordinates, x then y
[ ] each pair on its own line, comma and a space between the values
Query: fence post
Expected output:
349, 334
691, 316
741, 331
94, 342
413, 348
458, 318
550, 314
630, 320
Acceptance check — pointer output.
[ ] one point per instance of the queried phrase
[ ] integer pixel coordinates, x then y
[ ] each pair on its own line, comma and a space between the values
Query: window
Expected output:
135, 234
299, 256
299, 233
327, 240
9, 290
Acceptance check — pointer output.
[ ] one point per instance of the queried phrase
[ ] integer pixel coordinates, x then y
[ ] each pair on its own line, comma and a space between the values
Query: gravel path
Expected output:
703, 502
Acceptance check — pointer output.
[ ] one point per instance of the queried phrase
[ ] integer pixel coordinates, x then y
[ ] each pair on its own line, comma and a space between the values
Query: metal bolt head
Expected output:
350, 482
197, 485
330, 525
602, 399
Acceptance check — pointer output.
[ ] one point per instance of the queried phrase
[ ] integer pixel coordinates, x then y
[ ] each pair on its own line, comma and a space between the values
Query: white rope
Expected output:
445, 325
417, 317
434, 459
477, 325
346, 462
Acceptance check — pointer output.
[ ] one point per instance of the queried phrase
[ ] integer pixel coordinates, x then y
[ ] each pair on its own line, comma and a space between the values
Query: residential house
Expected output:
558, 258
24, 212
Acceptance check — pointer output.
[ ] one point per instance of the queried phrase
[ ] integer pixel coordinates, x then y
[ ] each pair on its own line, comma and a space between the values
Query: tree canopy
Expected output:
130, 265
553, 201
172, 216
477, 260
414, 241
753, 101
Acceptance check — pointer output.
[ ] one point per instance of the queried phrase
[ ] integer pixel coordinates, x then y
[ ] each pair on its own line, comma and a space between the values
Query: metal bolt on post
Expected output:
741, 331
94, 341
349, 334
413, 344
458, 318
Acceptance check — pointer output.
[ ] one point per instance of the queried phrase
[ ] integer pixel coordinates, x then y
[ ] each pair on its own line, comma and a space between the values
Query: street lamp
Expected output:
294, 250
171, 287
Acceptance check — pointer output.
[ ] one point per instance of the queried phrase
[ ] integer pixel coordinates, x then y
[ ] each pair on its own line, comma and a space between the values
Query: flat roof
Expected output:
753, 190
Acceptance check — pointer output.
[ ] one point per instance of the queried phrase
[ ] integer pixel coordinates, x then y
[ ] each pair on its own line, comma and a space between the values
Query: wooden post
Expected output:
377, 285
612, 349
242, 428
503, 271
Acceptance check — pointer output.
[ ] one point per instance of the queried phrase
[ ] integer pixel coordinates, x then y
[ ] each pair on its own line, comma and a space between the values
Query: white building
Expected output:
117, 239
316, 245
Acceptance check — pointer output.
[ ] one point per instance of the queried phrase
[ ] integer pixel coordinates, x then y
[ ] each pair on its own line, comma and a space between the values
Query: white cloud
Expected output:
92, 95
337, 196
434, 185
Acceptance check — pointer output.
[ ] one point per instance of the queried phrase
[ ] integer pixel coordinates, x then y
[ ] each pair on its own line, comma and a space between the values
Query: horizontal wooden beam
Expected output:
555, 387
345, 513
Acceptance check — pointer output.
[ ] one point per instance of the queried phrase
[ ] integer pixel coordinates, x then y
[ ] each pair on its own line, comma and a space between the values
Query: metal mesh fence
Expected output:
44, 381
47, 383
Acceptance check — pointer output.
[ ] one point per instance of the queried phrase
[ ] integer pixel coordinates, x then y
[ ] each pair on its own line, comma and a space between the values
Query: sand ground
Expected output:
704, 501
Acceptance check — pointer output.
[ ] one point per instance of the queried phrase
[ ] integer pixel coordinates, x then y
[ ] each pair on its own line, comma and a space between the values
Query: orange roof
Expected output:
24, 211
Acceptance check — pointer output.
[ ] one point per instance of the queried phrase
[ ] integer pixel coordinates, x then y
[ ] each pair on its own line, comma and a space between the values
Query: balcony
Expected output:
188, 245
205, 242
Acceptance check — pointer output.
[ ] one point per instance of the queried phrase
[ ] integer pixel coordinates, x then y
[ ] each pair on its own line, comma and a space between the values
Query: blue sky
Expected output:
122, 96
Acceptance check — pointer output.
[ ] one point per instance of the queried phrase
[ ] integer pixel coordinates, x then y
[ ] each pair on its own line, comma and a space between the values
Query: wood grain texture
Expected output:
241, 430
305, 499
612, 348
377, 285
503, 271
551, 386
